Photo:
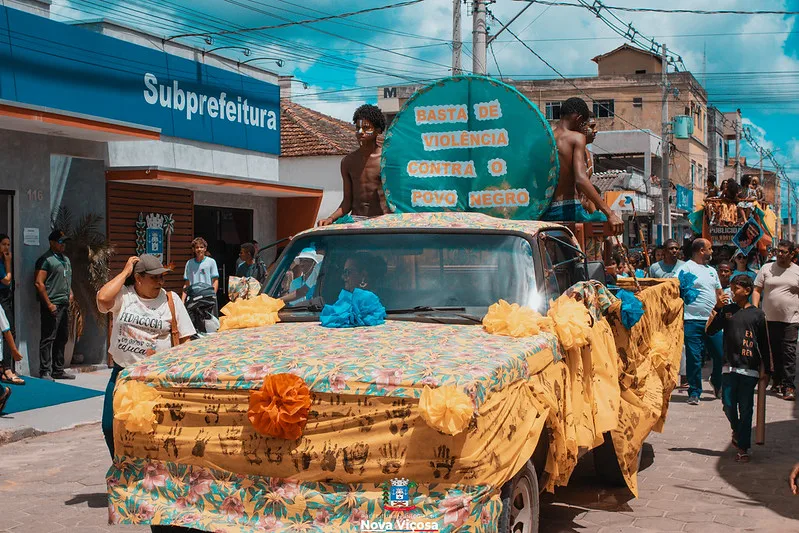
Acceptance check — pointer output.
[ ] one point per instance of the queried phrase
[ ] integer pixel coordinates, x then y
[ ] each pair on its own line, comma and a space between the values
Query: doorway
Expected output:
225, 229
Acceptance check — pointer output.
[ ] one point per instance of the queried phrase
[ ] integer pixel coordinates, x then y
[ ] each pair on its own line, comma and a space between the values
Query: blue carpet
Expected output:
37, 393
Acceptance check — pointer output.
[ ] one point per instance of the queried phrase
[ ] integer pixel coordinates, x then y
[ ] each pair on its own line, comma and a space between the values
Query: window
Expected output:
701, 185
471, 270
553, 110
693, 173
638, 102
642, 71
603, 108
560, 260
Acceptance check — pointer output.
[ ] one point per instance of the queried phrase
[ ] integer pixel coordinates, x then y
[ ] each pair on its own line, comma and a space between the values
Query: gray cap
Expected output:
149, 264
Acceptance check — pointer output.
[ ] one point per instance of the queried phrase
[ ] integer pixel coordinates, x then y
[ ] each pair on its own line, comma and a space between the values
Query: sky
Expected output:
747, 62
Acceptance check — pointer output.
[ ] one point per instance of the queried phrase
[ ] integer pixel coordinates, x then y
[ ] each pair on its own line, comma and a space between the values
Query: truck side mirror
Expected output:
591, 270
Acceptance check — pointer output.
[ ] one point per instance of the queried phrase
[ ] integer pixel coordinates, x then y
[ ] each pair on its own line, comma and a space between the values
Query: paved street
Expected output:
690, 482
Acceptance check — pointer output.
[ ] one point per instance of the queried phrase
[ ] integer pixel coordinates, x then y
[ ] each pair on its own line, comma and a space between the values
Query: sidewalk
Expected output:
16, 426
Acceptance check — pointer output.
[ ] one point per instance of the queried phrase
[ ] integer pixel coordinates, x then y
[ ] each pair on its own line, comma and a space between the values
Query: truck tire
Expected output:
520, 504
606, 463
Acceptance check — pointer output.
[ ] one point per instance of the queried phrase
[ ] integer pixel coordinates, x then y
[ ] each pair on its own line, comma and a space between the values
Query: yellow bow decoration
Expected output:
514, 320
447, 409
260, 311
572, 322
134, 404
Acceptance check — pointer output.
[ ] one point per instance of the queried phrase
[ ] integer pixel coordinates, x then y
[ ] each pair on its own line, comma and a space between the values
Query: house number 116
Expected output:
35, 195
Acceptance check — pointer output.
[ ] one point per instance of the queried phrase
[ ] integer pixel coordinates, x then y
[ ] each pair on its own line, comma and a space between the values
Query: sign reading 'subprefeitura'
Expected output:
470, 143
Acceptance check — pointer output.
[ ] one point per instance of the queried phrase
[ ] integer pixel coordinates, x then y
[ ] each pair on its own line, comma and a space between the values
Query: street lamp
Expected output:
278, 62
247, 51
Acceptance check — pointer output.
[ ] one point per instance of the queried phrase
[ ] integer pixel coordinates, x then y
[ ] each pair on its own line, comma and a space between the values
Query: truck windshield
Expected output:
408, 270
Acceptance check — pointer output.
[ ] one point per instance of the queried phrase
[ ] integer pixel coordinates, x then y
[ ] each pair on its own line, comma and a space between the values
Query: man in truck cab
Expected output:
573, 180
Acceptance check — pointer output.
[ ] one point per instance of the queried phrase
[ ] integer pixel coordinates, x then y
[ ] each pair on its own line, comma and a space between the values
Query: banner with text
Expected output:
470, 143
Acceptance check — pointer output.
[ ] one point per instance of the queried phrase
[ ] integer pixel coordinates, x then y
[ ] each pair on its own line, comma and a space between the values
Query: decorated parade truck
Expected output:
433, 369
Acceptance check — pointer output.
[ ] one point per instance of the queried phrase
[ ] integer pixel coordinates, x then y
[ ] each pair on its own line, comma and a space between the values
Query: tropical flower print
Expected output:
374, 361
455, 509
388, 376
244, 504
232, 507
154, 476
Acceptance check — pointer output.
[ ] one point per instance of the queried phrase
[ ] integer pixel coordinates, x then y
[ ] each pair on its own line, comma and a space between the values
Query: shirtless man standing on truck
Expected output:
569, 136
360, 170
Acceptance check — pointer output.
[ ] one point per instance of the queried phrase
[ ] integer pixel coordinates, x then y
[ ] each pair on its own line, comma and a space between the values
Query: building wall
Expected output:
192, 156
627, 62
320, 171
25, 171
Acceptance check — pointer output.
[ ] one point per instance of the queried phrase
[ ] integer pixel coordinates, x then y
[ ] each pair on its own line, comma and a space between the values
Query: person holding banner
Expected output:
360, 171
571, 141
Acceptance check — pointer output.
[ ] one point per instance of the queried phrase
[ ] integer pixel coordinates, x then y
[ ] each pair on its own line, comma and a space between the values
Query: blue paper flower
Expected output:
354, 309
631, 308
688, 292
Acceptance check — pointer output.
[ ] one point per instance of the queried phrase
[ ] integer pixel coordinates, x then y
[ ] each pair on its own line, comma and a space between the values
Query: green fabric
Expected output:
697, 219
59, 276
506, 156
760, 216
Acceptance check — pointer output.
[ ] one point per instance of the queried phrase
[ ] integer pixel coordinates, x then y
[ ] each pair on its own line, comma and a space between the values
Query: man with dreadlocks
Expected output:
570, 139
360, 170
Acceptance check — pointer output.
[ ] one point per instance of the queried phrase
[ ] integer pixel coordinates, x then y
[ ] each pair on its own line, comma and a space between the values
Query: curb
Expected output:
14, 435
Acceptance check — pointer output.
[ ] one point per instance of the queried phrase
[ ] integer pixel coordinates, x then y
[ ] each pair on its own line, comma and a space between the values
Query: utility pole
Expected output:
665, 184
456, 38
791, 195
738, 147
479, 37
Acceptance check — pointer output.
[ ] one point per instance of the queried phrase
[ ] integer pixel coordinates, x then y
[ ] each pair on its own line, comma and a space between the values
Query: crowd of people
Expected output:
743, 320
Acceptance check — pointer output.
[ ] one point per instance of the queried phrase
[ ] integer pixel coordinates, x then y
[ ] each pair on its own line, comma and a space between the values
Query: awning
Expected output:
297, 206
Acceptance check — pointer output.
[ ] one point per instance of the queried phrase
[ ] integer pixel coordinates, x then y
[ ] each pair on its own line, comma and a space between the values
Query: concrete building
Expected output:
312, 145
625, 95
162, 141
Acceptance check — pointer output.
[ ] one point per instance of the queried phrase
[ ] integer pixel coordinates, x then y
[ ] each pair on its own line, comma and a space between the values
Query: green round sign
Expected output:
470, 143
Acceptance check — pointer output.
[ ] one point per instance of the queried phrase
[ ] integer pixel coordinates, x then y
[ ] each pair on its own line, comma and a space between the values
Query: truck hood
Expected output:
397, 358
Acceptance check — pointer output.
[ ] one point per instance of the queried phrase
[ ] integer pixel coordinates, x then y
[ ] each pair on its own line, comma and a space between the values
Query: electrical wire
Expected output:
302, 22
672, 11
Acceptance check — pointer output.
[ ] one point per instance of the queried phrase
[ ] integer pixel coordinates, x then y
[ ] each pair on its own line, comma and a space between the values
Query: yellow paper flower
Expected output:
134, 404
447, 409
260, 311
514, 320
572, 322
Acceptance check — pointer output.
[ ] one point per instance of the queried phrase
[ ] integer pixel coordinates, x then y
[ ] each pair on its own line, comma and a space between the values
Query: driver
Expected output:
363, 271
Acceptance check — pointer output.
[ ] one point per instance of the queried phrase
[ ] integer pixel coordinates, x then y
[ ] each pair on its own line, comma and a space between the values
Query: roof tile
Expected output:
305, 132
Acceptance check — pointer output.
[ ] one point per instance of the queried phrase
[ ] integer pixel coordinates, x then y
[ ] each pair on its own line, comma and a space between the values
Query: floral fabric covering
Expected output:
444, 221
394, 359
143, 491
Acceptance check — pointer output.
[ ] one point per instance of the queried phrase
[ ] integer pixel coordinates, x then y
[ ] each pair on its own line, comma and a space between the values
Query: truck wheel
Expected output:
520, 504
606, 463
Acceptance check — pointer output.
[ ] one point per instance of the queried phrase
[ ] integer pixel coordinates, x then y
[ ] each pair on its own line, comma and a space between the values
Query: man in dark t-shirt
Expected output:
746, 354
54, 287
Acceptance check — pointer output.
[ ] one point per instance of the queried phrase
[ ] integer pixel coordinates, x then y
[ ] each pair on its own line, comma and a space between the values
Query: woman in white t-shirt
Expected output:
143, 315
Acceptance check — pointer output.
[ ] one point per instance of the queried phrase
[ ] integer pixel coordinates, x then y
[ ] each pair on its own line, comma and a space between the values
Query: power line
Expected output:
300, 22
597, 102
672, 11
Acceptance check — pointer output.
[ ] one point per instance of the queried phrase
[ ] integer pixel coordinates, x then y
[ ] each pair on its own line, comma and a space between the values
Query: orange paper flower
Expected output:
280, 408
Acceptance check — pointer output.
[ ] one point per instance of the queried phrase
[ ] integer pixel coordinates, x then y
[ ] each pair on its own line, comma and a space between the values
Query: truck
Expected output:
499, 361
